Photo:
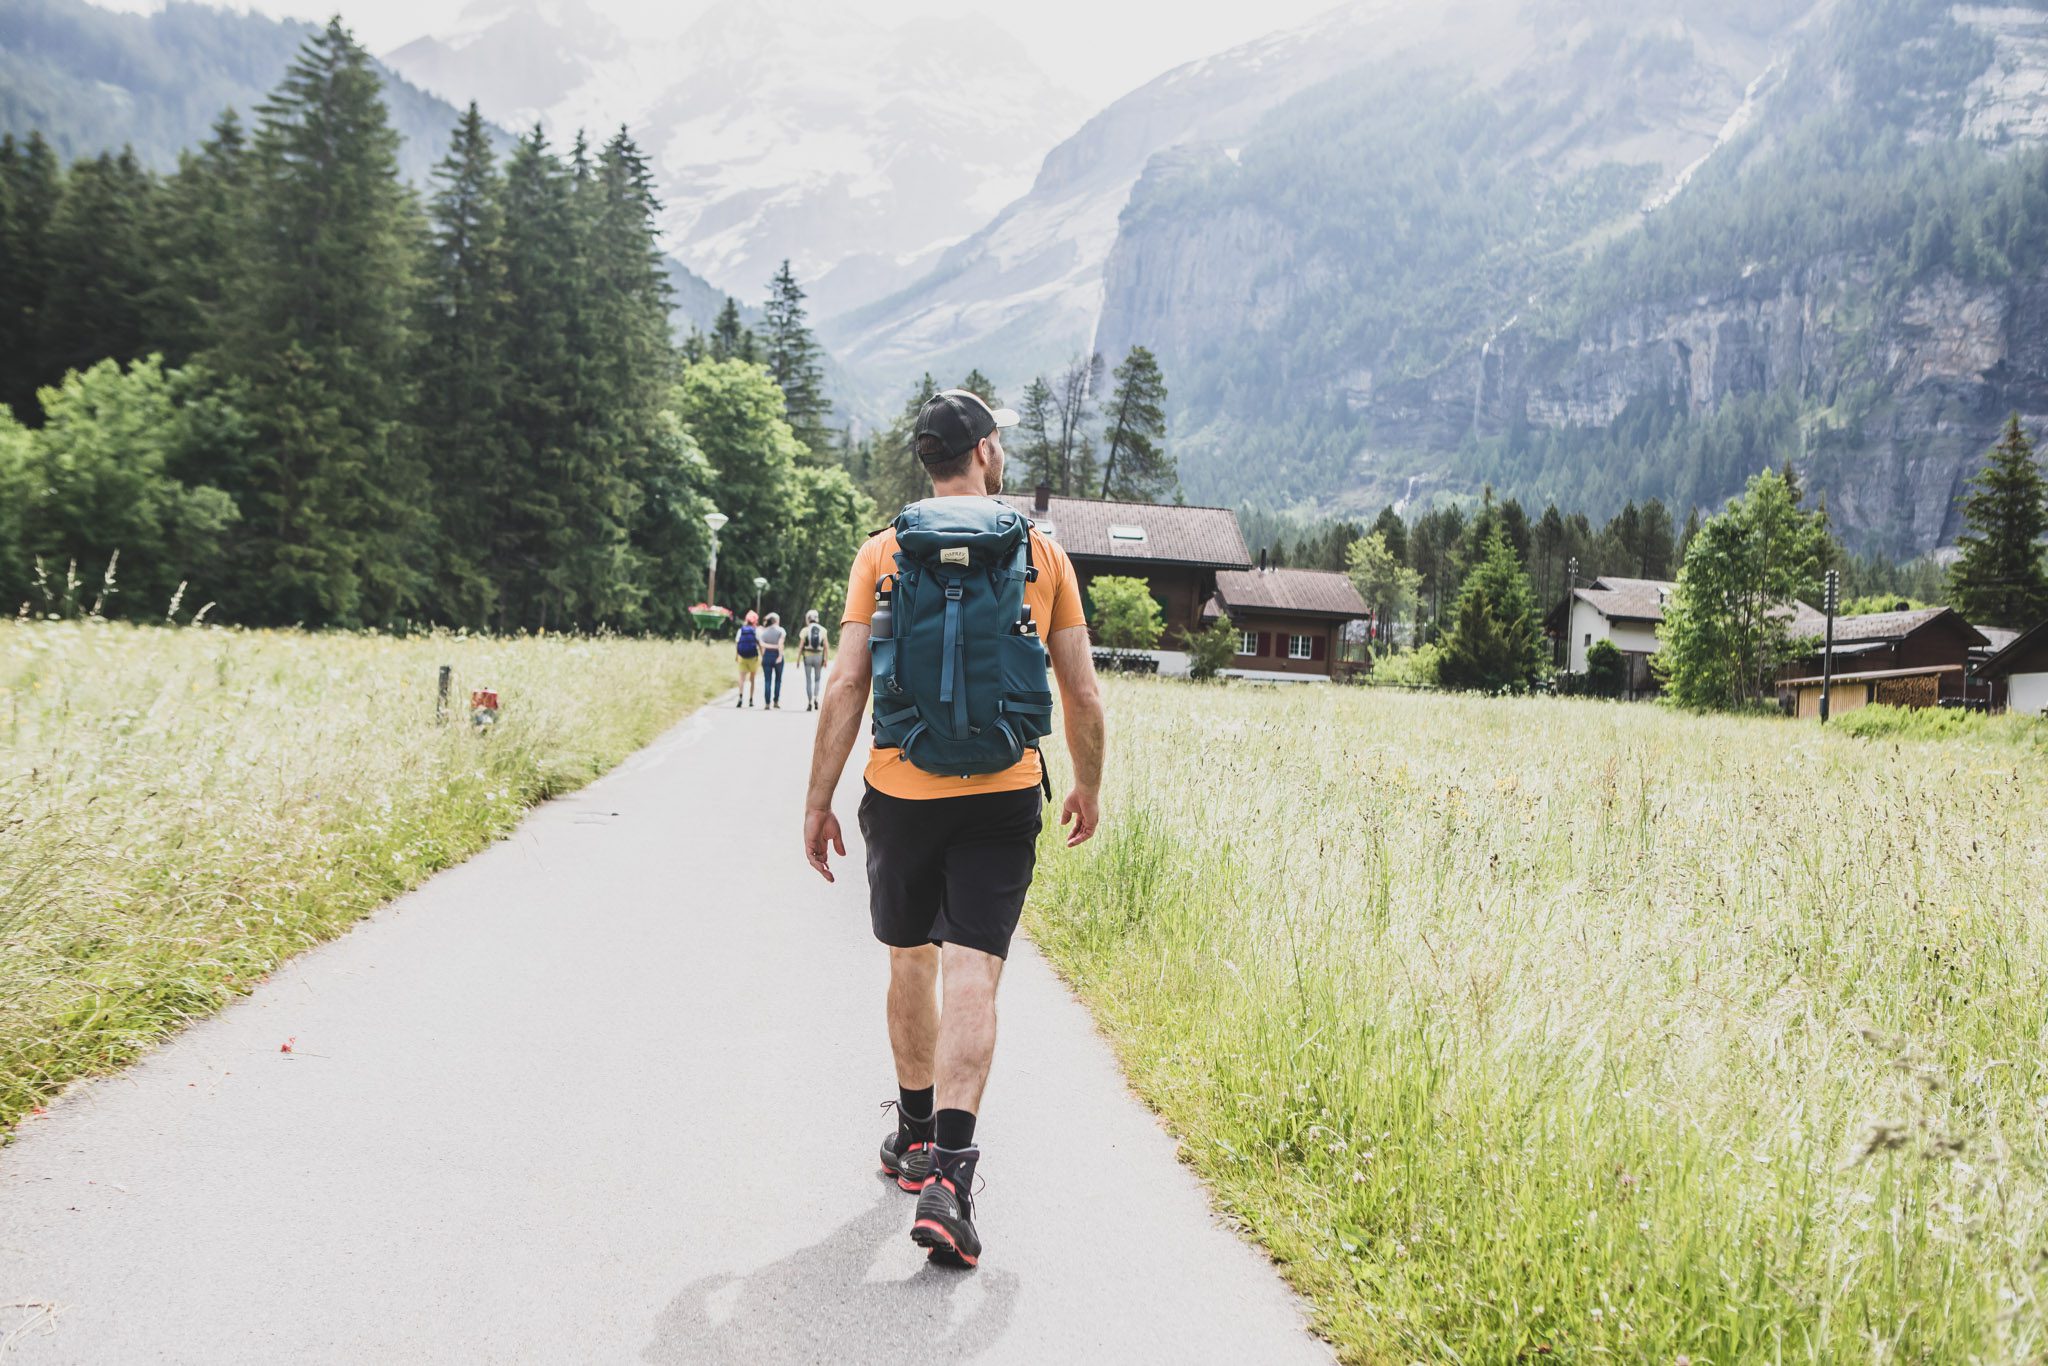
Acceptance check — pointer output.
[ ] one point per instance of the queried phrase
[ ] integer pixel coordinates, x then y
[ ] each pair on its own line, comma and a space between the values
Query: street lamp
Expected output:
1831, 602
714, 520
759, 584
1571, 594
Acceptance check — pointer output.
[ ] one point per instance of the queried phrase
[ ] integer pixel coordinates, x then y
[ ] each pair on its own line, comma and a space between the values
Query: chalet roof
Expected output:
1315, 592
1165, 533
1620, 599
1996, 638
1876, 626
1871, 675
2028, 647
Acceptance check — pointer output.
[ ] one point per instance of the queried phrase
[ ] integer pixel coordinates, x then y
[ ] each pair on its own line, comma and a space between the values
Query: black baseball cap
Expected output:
957, 419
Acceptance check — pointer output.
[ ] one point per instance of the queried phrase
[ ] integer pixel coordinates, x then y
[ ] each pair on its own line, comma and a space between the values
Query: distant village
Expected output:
1312, 625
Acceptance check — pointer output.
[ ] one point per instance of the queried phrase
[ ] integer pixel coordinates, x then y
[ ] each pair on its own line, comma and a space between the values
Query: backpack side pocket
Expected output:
1026, 702
895, 714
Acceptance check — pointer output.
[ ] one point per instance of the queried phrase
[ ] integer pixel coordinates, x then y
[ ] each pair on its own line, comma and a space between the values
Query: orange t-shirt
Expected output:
1055, 601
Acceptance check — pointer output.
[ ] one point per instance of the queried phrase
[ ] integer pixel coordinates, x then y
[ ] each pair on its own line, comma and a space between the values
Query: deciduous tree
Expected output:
1725, 630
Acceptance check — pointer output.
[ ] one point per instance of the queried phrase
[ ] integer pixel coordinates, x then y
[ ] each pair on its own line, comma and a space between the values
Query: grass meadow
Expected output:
181, 810
1562, 1030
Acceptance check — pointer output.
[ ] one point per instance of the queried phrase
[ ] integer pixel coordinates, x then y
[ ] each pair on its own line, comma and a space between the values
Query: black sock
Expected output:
915, 1105
954, 1129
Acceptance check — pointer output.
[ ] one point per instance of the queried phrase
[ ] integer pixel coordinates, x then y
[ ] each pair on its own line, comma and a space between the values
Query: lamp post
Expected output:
759, 584
1571, 593
715, 520
1830, 602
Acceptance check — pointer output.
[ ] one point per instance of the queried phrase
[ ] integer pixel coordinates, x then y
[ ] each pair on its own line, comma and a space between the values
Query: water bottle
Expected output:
882, 624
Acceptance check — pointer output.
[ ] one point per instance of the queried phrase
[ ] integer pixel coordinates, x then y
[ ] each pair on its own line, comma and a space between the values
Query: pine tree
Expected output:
791, 354
94, 302
1656, 546
542, 270
1999, 579
1136, 467
197, 230
896, 476
1393, 531
982, 387
31, 183
628, 370
1496, 639
1037, 448
1074, 396
732, 339
464, 374
1514, 524
318, 336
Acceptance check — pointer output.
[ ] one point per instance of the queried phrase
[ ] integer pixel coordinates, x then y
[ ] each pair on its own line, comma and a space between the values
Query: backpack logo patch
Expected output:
953, 554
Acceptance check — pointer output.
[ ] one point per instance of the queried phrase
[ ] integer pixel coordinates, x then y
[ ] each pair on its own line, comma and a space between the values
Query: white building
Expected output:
2024, 666
1624, 611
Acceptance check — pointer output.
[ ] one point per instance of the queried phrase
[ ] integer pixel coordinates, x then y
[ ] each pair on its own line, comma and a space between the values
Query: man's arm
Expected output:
1073, 663
839, 716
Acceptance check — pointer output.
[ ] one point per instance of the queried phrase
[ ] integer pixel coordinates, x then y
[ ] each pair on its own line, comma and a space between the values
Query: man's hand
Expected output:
1082, 809
821, 828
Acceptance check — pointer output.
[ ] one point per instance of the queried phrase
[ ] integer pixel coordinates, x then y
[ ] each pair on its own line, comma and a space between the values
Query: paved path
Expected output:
607, 1093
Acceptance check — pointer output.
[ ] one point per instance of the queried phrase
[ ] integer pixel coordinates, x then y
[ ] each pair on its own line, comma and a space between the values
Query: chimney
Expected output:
1262, 559
1041, 497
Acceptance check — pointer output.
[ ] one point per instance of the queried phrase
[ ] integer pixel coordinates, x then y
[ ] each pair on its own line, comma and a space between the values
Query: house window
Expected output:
1247, 642
1301, 647
1589, 640
1124, 531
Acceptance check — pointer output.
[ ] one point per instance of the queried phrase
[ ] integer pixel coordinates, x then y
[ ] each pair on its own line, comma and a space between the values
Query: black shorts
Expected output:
950, 870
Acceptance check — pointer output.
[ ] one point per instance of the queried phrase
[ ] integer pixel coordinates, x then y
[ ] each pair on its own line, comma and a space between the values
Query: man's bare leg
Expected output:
914, 1014
967, 1026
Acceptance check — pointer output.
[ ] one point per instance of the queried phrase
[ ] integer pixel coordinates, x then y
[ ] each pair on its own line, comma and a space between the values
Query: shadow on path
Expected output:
857, 1286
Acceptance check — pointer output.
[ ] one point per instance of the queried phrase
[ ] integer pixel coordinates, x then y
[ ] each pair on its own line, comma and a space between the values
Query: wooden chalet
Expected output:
1177, 550
1918, 658
1292, 624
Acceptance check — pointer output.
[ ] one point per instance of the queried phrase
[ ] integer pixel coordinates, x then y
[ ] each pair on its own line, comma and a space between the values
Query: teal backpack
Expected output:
960, 683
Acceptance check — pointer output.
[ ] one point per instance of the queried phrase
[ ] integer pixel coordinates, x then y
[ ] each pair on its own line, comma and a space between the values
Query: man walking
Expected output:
951, 832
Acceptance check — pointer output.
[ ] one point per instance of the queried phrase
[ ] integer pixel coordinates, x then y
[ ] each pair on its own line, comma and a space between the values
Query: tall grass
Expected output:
181, 810
1552, 1029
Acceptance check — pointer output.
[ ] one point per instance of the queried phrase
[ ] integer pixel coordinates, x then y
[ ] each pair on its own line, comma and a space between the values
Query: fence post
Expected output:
441, 697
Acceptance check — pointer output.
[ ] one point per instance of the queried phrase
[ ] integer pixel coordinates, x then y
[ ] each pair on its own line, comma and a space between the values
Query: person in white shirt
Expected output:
772, 636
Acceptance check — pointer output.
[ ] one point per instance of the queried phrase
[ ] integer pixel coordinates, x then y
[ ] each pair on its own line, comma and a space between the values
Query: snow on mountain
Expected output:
859, 151
1022, 295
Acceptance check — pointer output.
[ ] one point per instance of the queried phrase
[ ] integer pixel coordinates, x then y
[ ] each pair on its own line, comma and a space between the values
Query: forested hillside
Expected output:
1410, 281
94, 80
279, 386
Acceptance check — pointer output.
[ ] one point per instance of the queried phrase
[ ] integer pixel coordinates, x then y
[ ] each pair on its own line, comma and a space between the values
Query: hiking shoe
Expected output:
907, 1153
945, 1211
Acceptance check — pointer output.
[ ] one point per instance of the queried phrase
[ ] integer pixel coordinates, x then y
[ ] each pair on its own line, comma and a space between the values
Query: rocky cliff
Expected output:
1896, 395
1666, 249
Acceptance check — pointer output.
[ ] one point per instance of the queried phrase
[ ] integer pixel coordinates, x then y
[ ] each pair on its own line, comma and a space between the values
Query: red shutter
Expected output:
1320, 649
1262, 643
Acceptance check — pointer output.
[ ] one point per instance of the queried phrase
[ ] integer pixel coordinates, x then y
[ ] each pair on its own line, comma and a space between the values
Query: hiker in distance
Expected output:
772, 636
746, 648
943, 614
812, 647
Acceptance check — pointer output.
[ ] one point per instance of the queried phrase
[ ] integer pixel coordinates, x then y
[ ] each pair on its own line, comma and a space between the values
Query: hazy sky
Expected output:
1101, 48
